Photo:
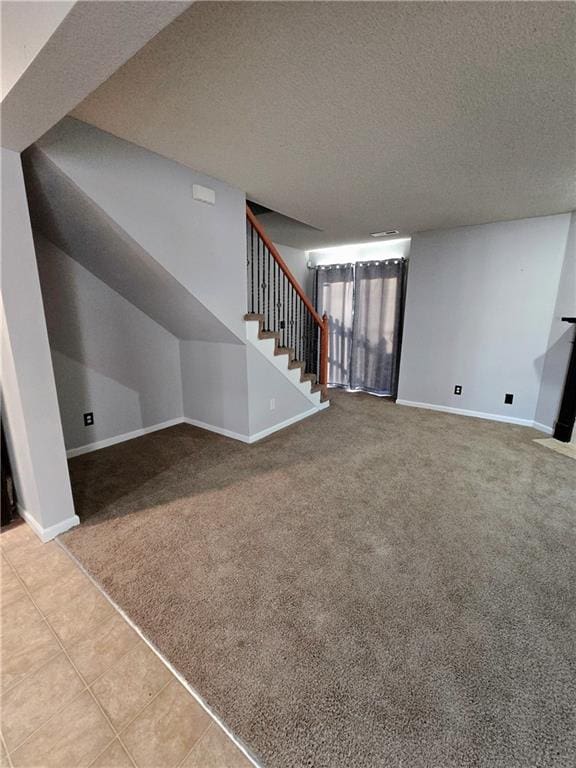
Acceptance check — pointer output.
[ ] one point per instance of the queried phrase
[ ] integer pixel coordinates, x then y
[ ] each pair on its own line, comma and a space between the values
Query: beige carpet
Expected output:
375, 586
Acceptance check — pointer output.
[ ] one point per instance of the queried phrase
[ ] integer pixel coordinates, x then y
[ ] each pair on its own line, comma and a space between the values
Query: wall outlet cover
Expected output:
88, 419
272, 404
203, 194
508, 398
458, 389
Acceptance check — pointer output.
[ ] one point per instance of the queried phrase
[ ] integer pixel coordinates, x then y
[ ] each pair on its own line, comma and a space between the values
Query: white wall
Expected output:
30, 406
109, 357
265, 384
150, 198
561, 336
480, 302
230, 387
395, 248
297, 262
214, 385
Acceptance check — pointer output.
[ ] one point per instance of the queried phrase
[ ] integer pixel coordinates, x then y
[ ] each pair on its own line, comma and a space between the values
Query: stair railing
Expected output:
275, 294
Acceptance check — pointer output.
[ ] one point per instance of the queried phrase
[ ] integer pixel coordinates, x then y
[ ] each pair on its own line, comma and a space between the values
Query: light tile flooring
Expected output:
566, 449
79, 687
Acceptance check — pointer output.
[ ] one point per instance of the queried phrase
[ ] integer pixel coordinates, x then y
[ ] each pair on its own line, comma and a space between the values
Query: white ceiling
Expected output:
53, 53
360, 117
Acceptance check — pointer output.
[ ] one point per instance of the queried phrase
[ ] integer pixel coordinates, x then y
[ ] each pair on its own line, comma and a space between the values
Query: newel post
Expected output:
324, 352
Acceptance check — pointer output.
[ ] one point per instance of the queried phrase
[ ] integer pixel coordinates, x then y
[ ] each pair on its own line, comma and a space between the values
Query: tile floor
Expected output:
566, 449
79, 687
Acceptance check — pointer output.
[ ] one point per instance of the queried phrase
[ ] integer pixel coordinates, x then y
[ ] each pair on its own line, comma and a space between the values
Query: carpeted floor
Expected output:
375, 586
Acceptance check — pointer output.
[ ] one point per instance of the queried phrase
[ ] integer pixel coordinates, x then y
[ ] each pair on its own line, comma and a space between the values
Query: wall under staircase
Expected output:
110, 214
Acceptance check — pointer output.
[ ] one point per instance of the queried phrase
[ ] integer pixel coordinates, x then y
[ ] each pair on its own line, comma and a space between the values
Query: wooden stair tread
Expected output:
268, 335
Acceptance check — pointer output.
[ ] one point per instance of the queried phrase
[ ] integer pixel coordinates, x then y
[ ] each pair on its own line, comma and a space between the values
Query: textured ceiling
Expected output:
52, 58
360, 117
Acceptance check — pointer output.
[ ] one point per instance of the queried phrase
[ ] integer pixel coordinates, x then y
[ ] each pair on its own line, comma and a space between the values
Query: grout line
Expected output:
63, 650
165, 661
128, 723
117, 661
52, 716
114, 731
87, 686
125, 748
6, 749
193, 747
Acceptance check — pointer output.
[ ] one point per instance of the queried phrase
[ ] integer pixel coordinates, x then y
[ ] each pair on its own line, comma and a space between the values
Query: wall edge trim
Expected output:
47, 534
95, 446
475, 414
121, 438
254, 438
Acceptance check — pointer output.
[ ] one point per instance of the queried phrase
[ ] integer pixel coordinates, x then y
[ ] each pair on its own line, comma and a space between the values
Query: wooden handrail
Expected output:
284, 267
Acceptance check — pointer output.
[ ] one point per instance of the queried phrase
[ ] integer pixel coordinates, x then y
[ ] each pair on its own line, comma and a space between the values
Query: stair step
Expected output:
284, 351
295, 364
308, 377
253, 316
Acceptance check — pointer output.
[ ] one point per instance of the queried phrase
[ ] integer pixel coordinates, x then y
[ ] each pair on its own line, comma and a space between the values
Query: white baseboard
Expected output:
194, 423
47, 534
283, 424
543, 428
476, 414
217, 430
257, 435
121, 438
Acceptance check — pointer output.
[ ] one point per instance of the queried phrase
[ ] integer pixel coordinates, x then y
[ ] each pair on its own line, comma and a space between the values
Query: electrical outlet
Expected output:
88, 419
272, 403
458, 389
508, 398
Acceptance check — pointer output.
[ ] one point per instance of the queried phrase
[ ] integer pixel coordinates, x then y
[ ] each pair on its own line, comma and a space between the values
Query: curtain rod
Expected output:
355, 263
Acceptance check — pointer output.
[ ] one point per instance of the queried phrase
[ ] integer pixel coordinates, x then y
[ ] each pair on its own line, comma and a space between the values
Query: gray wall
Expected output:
214, 384
561, 337
230, 386
29, 403
480, 303
297, 262
91, 184
109, 357
150, 199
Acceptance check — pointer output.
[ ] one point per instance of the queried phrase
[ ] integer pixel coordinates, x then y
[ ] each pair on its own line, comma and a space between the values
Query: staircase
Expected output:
283, 312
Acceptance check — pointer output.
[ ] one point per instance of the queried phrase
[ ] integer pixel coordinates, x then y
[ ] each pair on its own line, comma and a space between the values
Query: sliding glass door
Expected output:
364, 304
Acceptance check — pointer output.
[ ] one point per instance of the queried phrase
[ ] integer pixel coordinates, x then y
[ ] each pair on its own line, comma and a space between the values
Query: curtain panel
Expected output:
378, 301
335, 297
364, 303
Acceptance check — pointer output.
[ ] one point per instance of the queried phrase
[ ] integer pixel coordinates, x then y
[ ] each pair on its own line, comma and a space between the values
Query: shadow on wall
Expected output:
554, 363
73, 336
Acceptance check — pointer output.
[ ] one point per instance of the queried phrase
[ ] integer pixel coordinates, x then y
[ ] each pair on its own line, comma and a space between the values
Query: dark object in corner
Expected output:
567, 413
8, 495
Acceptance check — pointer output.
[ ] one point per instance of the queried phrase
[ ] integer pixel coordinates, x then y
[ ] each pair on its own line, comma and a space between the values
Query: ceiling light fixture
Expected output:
388, 233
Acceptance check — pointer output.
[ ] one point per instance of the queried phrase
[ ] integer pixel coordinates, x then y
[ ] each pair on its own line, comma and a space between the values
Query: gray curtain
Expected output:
378, 302
335, 297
